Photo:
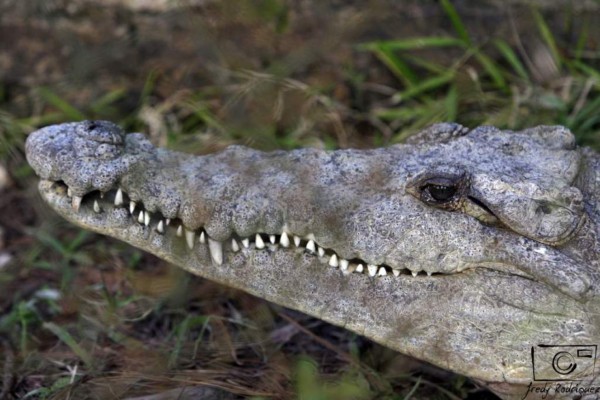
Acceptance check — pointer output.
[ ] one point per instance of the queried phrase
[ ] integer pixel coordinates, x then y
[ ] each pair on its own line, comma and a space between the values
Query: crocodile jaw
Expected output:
448, 320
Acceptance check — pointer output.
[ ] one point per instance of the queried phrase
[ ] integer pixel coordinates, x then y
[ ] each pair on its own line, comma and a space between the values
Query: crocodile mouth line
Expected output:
100, 202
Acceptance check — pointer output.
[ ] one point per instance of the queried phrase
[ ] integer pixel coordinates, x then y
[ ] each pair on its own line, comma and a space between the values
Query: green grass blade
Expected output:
148, 87
203, 114
426, 85
399, 113
547, 36
68, 110
493, 71
589, 112
41, 120
588, 124
24, 315
434, 68
79, 239
182, 330
416, 43
451, 103
582, 39
588, 70
457, 23
397, 66
101, 105
511, 57
413, 389
53, 243
67, 339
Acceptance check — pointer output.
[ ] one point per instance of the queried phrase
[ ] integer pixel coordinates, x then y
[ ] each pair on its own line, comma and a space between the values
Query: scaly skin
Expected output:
462, 248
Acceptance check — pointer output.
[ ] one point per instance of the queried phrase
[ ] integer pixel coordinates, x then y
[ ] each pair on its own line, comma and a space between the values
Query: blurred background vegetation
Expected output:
87, 317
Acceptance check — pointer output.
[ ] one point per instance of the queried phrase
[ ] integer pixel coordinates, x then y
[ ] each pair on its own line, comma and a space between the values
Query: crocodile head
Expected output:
467, 249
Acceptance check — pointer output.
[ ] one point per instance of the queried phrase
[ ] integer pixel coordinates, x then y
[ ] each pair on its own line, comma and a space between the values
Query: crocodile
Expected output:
475, 250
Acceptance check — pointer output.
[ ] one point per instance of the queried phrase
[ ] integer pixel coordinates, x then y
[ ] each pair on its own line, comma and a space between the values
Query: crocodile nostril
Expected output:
101, 132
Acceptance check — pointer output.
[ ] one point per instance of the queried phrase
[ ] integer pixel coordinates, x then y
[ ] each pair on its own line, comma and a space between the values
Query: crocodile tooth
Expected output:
382, 272
285, 240
101, 195
96, 206
396, 272
216, 251
189, 238
414, 273
272, 239
141, 217
235, 246
333, 261
321, 251
131, 207
146, 218
202, 238
540, 250
69, 192
246, 242
372, 269
310, 246
429, 273
76, 203
179, 231
349, 270
344, 264
168, 221
160, 227
259, 242
119, 197
360, 268
297, 241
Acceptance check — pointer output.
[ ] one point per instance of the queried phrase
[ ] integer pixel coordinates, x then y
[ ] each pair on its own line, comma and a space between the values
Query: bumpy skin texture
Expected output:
504, 226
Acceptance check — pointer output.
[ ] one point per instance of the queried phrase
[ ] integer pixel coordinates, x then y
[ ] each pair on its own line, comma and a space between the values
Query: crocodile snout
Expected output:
86, 156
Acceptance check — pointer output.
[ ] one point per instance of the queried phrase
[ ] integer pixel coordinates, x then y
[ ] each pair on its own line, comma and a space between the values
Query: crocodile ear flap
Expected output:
438, 133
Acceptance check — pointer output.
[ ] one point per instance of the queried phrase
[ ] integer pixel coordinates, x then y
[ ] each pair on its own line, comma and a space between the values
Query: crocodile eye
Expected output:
440, 193
445, 187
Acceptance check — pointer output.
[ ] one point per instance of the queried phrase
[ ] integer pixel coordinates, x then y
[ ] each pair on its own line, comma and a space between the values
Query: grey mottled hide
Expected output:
462, 248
